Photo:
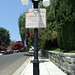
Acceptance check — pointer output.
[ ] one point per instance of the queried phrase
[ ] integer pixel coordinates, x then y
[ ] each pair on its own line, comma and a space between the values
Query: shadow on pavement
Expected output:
28, 55
42, 61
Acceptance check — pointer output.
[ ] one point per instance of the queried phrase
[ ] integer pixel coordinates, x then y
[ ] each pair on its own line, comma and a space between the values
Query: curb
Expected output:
27, 66
22, 67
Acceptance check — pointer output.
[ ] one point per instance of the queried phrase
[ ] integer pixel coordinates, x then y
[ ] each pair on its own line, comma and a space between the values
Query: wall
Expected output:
65, 61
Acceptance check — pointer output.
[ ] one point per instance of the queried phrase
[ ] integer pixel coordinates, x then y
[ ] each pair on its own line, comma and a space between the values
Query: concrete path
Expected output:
46, 67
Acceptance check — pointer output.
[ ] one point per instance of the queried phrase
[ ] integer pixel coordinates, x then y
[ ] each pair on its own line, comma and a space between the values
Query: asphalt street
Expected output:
11, 62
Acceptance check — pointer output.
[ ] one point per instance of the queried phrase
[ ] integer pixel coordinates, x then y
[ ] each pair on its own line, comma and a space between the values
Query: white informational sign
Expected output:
35, 18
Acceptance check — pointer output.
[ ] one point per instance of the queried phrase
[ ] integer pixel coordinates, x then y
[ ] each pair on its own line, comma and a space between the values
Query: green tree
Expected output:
23, 31
4, 37
65, 20
51, 34
21, 24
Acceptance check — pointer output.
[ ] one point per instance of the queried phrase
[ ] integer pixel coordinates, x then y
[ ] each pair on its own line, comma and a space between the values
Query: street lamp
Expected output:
25, 2
46, 3
36, 61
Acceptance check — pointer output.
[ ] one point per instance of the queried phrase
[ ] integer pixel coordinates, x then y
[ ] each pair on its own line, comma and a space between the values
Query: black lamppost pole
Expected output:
35, 61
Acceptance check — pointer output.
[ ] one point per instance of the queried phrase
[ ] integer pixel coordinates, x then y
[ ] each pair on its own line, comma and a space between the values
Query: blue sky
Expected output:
10, 11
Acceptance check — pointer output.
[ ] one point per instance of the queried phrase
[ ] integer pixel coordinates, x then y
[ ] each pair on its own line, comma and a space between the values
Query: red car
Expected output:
8, 51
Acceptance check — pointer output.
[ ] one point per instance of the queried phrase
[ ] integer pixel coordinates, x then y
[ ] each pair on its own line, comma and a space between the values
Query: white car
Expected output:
31, 50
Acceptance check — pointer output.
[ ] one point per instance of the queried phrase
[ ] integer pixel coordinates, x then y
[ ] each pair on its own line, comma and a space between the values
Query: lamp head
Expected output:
25, 2
46, 3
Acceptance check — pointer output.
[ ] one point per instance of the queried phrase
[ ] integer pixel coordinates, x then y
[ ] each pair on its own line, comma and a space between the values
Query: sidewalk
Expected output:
46, 67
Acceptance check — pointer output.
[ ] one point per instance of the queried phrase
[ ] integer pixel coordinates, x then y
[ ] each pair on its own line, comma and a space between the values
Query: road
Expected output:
11, 62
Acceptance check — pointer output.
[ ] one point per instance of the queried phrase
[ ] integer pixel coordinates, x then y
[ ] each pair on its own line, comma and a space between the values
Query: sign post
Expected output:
35, 18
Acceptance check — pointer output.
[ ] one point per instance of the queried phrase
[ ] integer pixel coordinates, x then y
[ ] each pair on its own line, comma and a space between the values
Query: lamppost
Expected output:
46, 3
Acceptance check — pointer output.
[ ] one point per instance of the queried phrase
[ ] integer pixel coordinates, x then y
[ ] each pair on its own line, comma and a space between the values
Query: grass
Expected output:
59, 50
56, 49
72, 51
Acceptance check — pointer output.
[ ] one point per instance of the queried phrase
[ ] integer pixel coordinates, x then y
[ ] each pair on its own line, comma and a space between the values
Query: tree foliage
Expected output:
23, 31
4, 38
60, 26
50, 37
19, 46
65, 20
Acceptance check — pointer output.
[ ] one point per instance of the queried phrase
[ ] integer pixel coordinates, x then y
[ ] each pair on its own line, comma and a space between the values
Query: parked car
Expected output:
17, 51
31, 50
2, 51
8, 52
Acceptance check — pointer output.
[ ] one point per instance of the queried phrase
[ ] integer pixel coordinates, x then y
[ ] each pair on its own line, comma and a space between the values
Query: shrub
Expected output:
2, 48
19, 46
